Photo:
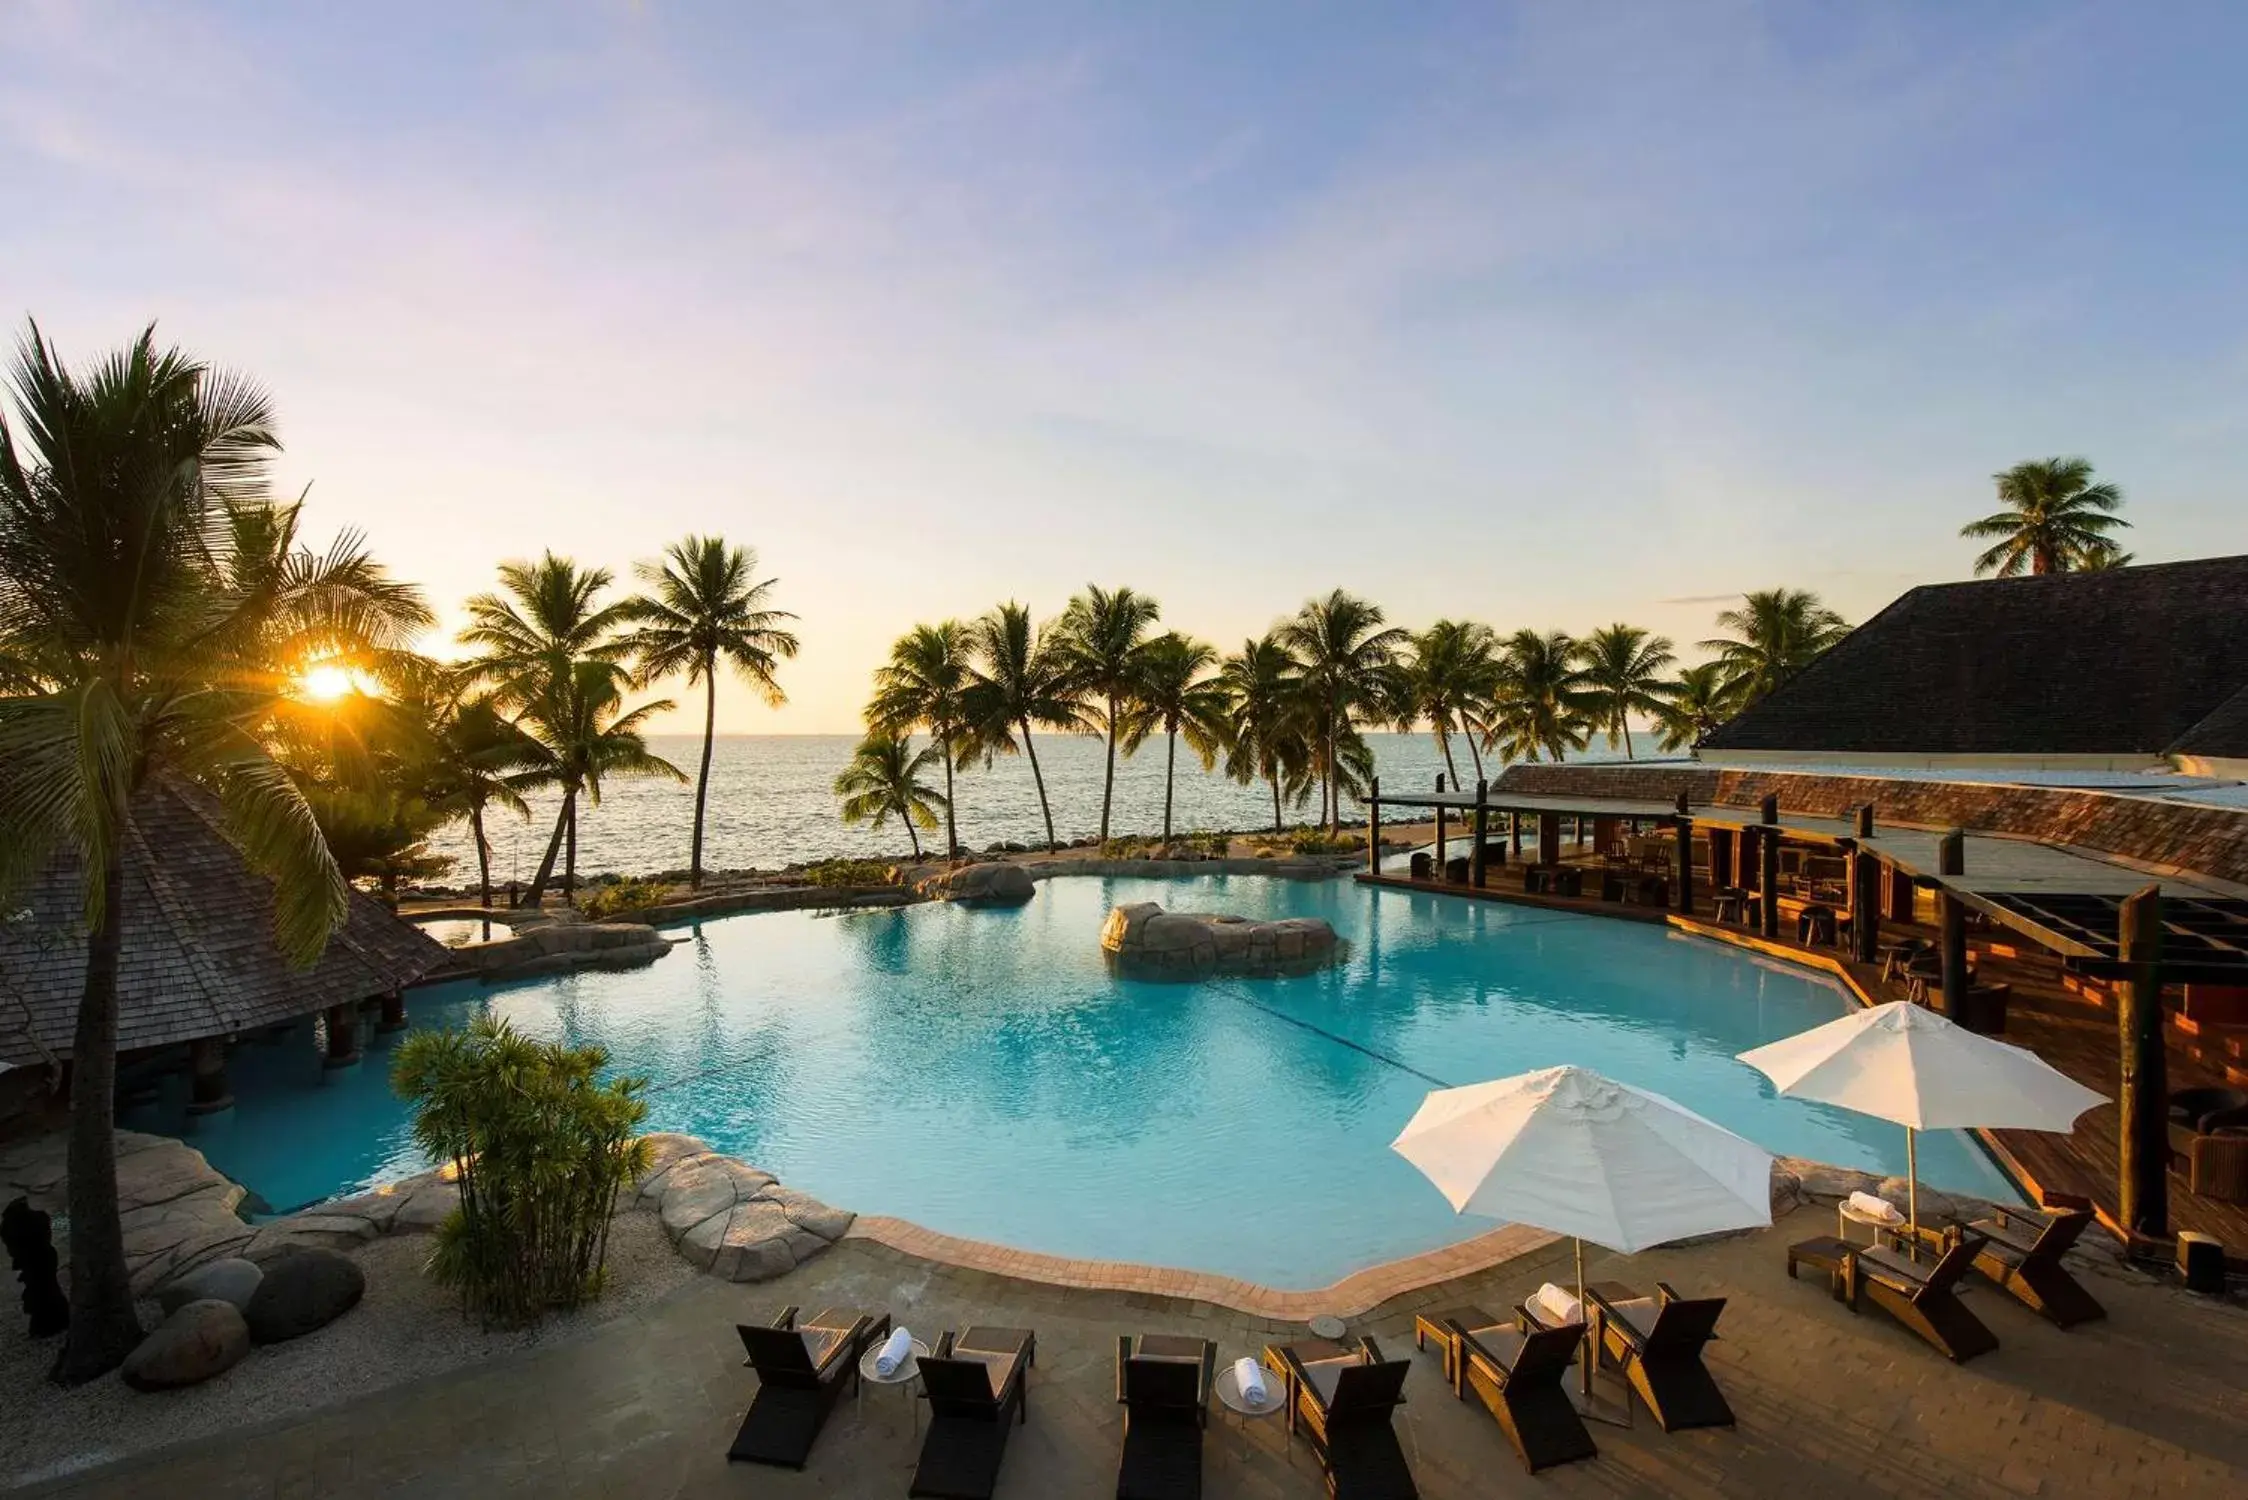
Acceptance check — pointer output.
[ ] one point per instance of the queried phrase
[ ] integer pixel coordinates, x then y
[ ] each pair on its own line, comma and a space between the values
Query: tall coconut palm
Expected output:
1104, 633
1345, 655
1020, 679
1542, 705
705, 605
1693, 707
1623, 675
1267, 724
924, 686
2102, 556
129, 639
581, 732
1174, 694
546, 617
2053, 518
1446, 682
1776, 633
480, 759
883, 781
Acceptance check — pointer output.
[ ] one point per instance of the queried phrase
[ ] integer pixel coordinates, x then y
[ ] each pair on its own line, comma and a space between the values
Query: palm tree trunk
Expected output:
1275, 780
1624, 723
702, 779
1444, 744
553, 849
570, 858
911, 834
483, 856
103, 1324
1334, 776
1170, 769
951, 832
1039, 777
1108, 783
1473, 753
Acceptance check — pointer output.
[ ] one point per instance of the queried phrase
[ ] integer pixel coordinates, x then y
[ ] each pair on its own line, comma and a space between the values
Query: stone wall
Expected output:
558, 948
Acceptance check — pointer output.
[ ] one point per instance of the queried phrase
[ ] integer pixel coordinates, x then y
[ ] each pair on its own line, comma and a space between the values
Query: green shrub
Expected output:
621, 899
1314, 843
540, 1147
833, 873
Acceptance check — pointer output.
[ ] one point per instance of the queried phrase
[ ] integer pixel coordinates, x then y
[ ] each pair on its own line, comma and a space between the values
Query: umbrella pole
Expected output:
1912, 1185
1584, 1347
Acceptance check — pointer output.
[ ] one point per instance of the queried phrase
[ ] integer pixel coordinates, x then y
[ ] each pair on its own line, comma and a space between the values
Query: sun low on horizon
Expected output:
328, 682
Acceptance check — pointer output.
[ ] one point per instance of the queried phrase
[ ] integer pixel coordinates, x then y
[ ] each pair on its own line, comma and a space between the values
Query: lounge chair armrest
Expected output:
787, 1318
944, 1347
1209, 1381
1372, 1350
1123, 1358
1667, 1292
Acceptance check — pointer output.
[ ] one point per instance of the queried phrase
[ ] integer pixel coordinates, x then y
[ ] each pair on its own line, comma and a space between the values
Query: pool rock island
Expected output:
1143, 941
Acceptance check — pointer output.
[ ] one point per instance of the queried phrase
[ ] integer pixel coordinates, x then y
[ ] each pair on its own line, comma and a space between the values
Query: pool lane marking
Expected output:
1382, 1057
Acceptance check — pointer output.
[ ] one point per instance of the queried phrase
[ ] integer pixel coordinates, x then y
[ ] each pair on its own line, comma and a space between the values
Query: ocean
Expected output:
773, 803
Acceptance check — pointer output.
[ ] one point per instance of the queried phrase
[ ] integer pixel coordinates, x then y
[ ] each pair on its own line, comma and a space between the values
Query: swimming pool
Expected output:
981, 1073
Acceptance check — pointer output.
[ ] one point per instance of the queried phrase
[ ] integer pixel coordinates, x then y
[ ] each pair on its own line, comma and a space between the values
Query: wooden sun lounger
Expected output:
1657, 1343
801, 1370
1515, 1369
1164, 1383
975, 1384
1343, 1399
1923, 1298
2021, 1256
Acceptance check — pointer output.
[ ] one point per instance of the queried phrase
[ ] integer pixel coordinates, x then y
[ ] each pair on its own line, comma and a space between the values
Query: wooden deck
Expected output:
2067, 1030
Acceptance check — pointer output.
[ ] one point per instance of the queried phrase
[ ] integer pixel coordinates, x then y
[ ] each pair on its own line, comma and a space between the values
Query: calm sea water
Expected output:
772, 803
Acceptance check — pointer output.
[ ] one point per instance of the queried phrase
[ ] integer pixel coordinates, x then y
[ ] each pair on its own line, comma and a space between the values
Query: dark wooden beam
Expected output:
1374, 826
1482, 830
1685, 880
1768, 867
1951, 859
1440, 829
2142, 1101
1549, 838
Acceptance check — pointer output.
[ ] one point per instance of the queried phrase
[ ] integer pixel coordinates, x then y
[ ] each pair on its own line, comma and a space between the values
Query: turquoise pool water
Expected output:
980, 1072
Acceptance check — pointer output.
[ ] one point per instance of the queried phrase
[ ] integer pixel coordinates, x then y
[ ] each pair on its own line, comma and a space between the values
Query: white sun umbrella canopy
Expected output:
1566, 1150
1904, 1063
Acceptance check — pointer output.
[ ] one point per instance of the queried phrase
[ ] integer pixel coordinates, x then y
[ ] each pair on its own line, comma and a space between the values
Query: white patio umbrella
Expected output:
1905, 1063
1566, 1150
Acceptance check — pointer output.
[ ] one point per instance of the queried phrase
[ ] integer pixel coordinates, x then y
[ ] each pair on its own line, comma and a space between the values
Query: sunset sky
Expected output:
1546, 314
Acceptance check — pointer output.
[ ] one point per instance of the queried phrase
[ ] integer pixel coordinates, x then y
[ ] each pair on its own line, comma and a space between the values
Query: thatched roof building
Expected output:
199, 957
2113, 670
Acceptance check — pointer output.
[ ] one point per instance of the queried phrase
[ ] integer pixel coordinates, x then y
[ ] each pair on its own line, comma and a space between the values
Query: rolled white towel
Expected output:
1875, 1208
1558, 1304
896, 1350
1249, 1376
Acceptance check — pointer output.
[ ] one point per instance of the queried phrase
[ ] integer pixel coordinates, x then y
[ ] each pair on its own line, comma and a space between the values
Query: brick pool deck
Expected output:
2151, 1402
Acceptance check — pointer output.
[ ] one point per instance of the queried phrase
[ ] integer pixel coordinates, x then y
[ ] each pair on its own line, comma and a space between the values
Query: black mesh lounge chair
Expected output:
974, 1384
1164, 1384
1516, 1370
1656, 1342
2021, 1256
1342, 1398
1923, 1298
801, 1369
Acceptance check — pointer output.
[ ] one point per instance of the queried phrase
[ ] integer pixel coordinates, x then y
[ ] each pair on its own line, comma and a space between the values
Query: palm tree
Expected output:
547, 617
1266, 731
1346, 657
1447, 683
1776, 634
2054, 517
1542, 705
1693, 706
128, 638
2102, 556
583, 732
924, 686
1104, 633
479, 759
1020, 678
883, 781
1623, 675
706, 605
1175, 696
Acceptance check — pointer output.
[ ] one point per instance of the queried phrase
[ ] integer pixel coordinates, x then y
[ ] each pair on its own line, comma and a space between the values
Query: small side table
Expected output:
1845, 1216
1231, 1398
908, 1371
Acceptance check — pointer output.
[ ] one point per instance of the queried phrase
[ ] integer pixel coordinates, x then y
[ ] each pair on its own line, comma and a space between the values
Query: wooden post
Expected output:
1481, 829
2142, 1102
1721, 859
1951, 859
1685, 881
343, 1036
1768, 867
208, 1091
1549, 838
393, 1016
1604, 834
1374, 826
1514, 833
1439, 830
1865, 907
1901, 903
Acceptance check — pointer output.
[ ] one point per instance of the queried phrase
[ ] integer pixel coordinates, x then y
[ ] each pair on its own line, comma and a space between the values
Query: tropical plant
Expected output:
1542, 705
547, 617
580, 731
2102, 556
1447, 682
1266, 739
540, 1146
705, 605
1019, 679
924, 686
1623, 675
479, 759
883, 781
1776, 633
1693, 707
623, 899
1104, 634
1175, 696
1345, 656
2053, 518
138, 652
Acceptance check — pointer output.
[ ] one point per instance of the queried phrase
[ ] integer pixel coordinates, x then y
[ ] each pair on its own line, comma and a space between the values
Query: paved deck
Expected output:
2152, 1402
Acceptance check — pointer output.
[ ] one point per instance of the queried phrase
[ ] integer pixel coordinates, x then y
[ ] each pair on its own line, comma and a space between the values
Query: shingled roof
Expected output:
2221, 736
199, 957
2121, 662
